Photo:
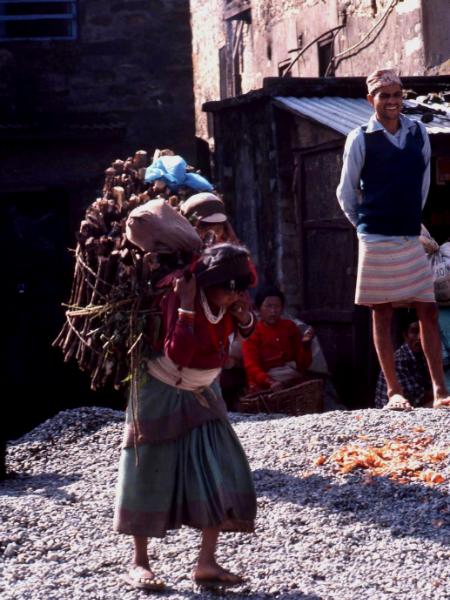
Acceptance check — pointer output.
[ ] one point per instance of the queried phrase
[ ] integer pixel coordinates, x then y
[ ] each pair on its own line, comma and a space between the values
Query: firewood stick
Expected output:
102, 260
140, 159
118, 194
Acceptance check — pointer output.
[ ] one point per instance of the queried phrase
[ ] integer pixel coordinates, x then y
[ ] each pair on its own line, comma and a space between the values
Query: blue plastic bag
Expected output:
172, 170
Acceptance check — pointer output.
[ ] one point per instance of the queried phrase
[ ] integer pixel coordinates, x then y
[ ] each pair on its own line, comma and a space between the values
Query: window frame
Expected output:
70, 16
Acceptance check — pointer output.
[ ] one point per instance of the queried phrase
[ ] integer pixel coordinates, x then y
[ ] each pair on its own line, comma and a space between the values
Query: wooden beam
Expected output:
340, 223
235, 8
327, 316
318, 148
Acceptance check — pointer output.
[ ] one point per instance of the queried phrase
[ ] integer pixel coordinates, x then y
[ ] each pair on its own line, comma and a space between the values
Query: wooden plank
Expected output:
320, 147
235, 8
328, 224
38, 1
299, 193
47, 17
327, 316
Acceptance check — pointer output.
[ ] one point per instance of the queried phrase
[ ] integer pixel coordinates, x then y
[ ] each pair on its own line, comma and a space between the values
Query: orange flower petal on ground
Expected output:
401, 459
430, 476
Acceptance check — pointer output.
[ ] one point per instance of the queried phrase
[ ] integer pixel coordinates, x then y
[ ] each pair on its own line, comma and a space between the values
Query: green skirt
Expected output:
200, 478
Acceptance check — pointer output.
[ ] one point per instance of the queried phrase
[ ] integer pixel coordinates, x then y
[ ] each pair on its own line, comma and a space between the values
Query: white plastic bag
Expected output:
440, 264
439, 257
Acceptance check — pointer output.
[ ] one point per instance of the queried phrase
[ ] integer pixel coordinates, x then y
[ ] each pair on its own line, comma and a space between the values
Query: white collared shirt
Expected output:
349, 188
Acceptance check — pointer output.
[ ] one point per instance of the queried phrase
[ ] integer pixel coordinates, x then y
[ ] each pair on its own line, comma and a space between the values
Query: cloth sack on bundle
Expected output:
439, 257
157, 227
173, 171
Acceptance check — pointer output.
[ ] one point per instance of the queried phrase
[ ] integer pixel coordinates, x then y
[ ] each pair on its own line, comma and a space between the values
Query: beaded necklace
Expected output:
212, 318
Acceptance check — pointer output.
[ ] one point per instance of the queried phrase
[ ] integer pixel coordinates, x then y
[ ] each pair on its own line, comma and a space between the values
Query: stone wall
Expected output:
436, 31
396, 42
208, 35
385, 32
131, 59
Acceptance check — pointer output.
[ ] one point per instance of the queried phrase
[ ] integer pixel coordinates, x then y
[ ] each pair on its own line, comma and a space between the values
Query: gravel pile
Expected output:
321, 535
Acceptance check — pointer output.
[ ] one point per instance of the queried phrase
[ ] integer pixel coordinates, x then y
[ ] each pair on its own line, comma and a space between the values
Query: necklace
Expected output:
207, 310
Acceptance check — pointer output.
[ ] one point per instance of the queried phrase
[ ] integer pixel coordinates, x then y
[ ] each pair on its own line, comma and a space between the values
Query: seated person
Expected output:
412, 372
276, 355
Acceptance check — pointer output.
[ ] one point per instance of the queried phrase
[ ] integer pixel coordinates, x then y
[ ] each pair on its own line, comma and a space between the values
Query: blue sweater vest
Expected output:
391, 185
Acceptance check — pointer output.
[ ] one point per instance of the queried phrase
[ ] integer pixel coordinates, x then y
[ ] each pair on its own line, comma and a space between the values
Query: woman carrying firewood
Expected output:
182, 463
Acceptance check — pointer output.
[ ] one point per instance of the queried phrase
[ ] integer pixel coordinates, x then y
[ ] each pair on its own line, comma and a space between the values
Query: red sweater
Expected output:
273, 346
200, 345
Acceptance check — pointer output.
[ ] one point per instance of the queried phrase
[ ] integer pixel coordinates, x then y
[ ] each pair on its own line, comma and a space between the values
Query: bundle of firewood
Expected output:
112, 309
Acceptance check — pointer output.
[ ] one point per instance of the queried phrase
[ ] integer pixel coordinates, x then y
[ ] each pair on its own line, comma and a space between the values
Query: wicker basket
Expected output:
301, 399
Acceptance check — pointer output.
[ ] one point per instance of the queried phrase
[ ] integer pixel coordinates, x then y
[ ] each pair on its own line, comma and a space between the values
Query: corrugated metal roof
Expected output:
344, 114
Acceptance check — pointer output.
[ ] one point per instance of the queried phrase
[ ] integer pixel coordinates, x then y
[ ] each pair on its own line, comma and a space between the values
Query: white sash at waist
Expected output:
185, 378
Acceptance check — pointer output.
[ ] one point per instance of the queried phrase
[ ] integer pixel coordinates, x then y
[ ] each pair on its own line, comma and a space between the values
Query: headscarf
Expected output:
225, 265
380, 78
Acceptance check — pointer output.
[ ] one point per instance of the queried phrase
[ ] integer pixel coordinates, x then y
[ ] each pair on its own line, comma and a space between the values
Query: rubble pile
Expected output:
321, 533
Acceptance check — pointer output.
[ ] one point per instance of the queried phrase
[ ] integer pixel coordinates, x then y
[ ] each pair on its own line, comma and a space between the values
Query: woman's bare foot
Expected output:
213, 575
143, 578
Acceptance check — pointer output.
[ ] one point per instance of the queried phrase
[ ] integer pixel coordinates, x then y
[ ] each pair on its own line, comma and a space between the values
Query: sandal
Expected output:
135, 579
226, 580
398, 402
442, 403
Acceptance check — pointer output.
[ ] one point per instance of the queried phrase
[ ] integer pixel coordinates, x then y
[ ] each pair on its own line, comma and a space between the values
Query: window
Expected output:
326, 53
37, 20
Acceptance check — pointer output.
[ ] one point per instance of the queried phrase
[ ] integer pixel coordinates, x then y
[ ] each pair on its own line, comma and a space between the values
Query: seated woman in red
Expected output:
276, 354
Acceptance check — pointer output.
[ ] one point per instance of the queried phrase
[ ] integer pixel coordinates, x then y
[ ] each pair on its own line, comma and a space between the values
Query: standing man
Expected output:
384, 185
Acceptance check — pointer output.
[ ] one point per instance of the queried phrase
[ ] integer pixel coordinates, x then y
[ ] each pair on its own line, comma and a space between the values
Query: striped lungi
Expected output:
396, 272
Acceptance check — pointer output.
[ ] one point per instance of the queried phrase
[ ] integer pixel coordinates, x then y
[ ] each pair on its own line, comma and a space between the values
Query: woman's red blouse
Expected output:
272, 346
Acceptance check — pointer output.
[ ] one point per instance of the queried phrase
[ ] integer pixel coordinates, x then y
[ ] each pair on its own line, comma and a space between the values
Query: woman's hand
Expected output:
241, 310
308, 334
186, 289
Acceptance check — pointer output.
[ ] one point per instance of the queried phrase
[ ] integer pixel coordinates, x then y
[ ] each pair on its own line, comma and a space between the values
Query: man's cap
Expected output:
380, 78
204, 208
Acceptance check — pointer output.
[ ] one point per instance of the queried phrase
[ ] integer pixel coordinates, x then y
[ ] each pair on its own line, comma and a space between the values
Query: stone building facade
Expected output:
82, 83
237, 43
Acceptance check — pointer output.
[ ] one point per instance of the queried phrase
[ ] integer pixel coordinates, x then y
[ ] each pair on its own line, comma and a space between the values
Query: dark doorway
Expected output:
36, 275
